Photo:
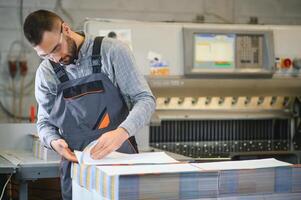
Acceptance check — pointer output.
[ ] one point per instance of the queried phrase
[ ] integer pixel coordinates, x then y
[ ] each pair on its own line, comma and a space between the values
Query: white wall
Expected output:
213, 11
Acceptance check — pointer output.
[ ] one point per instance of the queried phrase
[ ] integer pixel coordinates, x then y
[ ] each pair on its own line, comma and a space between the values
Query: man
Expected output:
85, 89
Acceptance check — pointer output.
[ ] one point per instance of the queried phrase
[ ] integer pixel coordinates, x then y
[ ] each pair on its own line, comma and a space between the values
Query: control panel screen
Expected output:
214, 51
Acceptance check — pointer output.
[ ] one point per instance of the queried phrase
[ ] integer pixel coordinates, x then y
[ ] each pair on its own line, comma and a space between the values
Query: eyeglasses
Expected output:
57, 48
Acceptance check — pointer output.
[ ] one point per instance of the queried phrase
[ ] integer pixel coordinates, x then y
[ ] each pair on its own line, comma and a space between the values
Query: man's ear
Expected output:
66, 28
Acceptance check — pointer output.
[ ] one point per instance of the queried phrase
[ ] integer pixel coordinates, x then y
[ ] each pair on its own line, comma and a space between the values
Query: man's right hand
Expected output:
61, 147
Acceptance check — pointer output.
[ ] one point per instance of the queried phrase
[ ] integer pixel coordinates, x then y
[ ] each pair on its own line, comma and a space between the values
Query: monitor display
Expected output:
214, 51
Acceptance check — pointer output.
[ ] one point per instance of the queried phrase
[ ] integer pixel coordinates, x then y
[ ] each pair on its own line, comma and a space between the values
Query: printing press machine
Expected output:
223, 92
227, 119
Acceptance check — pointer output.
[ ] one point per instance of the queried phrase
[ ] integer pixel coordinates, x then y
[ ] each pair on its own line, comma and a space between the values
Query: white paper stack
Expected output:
157, 176
41, 152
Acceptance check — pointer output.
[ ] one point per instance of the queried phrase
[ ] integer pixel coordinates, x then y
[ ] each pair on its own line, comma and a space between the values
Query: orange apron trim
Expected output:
105, 122
83, 94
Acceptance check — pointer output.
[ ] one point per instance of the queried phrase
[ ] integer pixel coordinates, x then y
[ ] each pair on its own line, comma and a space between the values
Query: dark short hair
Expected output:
37, 22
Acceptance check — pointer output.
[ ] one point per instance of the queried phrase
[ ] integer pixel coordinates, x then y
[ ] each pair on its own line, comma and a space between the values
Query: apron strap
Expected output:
59, 71
96, 55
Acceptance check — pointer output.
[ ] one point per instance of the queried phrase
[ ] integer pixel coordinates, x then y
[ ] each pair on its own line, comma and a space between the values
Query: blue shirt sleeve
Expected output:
133, 87
45, 96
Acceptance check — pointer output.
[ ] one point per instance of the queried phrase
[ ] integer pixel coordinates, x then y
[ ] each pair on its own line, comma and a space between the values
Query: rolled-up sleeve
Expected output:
133, 87
44, 86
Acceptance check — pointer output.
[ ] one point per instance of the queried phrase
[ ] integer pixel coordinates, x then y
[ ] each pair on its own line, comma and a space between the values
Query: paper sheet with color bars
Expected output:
160, 162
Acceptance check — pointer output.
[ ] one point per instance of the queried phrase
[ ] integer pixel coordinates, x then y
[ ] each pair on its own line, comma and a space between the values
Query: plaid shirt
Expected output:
125, 75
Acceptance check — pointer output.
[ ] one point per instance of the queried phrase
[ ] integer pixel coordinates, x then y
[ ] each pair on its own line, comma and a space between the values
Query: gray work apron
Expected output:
84, 109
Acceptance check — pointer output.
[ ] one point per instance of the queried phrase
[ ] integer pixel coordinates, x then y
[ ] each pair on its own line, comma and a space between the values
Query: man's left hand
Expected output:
109, 142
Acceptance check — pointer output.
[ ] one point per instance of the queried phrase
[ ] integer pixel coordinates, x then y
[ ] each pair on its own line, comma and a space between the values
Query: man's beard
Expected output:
72, 55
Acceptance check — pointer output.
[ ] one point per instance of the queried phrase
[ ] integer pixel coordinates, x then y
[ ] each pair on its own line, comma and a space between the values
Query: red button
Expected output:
286, 63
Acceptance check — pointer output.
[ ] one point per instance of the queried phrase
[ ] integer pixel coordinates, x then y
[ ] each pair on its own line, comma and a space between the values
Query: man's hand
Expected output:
109, 142
61, 147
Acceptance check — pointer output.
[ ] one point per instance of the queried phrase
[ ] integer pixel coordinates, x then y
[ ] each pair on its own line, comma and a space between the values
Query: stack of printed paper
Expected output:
157, 176
41, 152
